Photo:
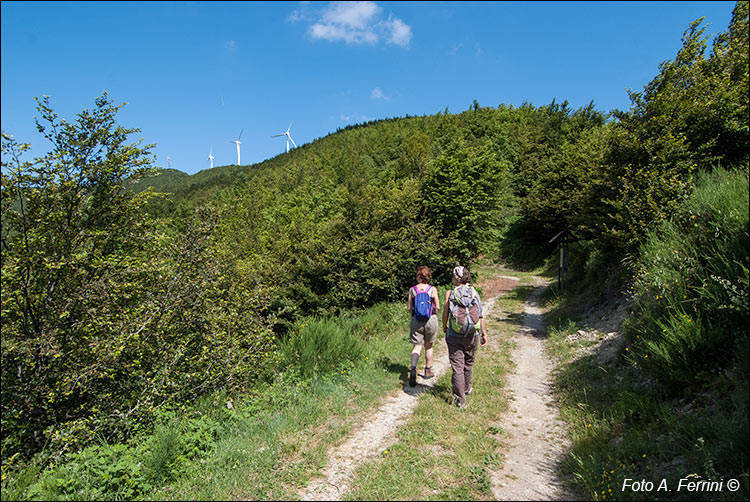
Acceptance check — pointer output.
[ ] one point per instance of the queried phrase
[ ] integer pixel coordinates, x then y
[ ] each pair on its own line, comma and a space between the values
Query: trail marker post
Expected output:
564, 239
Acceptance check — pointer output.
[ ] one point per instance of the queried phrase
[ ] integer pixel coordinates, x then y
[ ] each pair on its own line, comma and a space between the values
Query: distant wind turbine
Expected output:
238, 142
211, 156
169, 163
288, 137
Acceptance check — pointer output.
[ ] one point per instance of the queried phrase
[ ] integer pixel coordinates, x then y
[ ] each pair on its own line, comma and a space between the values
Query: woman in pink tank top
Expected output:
424, 324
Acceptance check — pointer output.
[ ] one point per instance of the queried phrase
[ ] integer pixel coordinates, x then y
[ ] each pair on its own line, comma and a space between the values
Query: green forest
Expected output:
132, 293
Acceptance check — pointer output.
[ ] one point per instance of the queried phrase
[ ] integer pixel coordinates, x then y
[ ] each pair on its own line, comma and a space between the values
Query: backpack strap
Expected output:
417, 291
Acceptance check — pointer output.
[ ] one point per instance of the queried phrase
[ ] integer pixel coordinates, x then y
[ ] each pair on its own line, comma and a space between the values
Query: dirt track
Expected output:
535, 442
529, 471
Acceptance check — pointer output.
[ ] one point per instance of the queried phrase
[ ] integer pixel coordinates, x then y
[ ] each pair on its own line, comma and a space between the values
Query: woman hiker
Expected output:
423, 305
463, 325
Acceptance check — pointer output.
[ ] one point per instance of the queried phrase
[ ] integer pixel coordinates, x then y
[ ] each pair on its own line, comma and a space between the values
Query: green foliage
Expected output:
558, 151
96, 473
460, 194
343, 223
207, 443
129, 471
692, 116
692, 288
109, 314
320, 346
75, 247
164, 454
117, 302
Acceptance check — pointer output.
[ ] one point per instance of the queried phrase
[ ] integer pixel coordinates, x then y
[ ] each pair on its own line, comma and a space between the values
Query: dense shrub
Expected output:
690, 117
320, 346
109, 314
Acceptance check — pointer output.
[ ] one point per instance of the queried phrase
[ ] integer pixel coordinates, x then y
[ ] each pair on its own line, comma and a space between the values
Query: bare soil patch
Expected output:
498, 285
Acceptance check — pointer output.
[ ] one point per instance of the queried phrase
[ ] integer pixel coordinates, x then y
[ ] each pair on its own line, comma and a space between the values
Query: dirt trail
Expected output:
529, 470
374, 433
535, 442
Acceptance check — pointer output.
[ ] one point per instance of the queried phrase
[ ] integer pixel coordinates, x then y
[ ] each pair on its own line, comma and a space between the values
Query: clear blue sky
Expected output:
196, 73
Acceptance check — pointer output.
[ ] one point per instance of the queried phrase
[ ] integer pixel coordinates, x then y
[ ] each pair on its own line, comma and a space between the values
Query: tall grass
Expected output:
674, 405
691, 292
319, 346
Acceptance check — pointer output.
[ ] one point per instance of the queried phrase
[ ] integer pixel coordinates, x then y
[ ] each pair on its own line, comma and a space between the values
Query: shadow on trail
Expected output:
442, 390
528, 323
393, 367
512, 318
420, 388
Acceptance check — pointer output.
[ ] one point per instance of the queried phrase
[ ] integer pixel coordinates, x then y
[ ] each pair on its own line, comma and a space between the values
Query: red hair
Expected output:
424, 275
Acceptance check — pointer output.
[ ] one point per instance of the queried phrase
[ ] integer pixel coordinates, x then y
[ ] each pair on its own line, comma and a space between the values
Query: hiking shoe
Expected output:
413, 377
428, 372
469, 391
459, 404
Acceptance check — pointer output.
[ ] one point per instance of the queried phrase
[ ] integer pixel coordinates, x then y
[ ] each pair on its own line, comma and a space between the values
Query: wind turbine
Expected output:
238, 142
211, 157
288, 137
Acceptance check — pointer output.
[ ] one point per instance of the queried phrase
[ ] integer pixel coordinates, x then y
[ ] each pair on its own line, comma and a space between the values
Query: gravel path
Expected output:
375, 432
535, 442
379, 429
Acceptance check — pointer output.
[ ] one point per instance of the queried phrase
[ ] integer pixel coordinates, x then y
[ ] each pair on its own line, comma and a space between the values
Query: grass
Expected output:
443, 453
284, 440
270, 444
673, 404
625, 427
263, 448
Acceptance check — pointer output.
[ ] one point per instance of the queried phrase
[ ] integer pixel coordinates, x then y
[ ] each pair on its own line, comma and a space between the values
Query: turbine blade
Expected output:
295, 144
290, 126
277, 135
238, 137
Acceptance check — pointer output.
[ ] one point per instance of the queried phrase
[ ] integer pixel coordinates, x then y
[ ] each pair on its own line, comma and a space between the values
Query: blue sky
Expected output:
195, 74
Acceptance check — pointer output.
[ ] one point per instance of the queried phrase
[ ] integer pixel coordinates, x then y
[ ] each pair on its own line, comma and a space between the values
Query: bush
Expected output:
96, 473
691, 300
108, 313
320, 346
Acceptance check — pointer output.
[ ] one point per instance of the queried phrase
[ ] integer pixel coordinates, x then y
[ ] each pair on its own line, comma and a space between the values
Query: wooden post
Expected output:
562, 268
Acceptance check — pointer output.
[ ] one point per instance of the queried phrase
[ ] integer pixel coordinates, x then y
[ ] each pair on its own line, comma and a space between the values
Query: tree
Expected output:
109, 313
72, 239
693, 116
461, 192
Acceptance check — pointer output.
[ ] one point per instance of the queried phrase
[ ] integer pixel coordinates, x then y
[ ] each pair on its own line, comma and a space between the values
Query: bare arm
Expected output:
483, 330
446, 311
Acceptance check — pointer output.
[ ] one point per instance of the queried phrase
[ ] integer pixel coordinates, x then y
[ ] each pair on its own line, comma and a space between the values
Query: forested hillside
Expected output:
119, 300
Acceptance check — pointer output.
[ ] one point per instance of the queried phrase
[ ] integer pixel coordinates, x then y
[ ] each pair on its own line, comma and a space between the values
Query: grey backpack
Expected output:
464, 309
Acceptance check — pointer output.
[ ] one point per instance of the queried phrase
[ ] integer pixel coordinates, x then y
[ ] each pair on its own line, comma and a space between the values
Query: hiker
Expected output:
423, 305
463, 325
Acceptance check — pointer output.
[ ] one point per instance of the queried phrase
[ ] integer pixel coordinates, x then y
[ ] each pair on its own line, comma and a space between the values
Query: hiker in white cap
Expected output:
463, 325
